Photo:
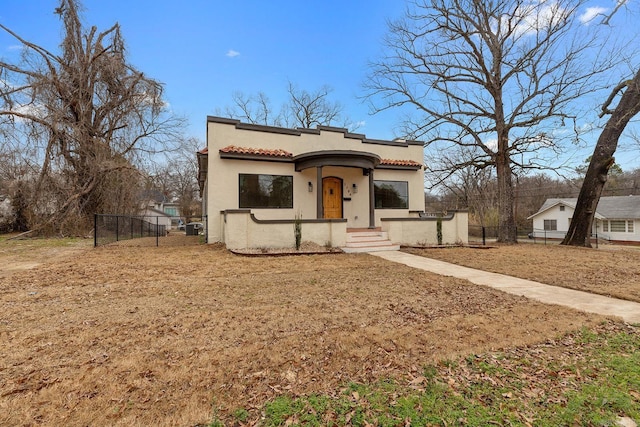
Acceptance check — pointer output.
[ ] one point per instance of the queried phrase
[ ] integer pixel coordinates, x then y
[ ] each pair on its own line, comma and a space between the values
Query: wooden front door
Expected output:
332, 197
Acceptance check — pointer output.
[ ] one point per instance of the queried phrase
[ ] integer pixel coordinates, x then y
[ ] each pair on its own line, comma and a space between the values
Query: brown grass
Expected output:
611, 271
124, 335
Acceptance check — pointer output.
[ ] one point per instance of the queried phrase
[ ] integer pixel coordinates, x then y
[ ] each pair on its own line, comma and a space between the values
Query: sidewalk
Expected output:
592, 303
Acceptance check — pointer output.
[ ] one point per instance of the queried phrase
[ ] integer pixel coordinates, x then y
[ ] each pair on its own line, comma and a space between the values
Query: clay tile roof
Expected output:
391, 162
205, 150
256, 151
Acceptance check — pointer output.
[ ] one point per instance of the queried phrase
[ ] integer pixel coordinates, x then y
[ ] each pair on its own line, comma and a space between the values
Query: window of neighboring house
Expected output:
561, 208
266, 191
630, 226
550, 224
605, 225
391, 194
618, 226
171, 211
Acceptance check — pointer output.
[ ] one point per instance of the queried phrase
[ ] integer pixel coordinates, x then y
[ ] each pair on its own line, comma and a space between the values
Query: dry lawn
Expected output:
611, 271
125, 335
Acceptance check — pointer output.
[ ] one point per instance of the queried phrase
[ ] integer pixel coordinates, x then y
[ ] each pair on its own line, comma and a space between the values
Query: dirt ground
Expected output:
611, 270
170, 335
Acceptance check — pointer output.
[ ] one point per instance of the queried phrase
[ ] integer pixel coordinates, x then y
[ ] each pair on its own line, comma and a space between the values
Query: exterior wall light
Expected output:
310, 187
355, 188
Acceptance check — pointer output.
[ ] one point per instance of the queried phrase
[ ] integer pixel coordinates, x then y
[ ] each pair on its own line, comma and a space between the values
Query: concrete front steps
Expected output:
374, 240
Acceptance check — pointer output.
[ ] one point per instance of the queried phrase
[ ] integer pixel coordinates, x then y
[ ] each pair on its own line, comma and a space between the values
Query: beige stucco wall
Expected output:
241, 230
222, 184
423, 231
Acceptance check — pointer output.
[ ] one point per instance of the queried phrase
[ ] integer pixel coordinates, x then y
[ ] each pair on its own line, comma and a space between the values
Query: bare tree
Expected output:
307, 109
602, 160
493, 80
303, 109
177, 177
255, 109
89, 115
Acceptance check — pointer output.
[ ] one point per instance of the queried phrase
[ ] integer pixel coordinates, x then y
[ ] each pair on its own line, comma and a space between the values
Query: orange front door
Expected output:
332, 197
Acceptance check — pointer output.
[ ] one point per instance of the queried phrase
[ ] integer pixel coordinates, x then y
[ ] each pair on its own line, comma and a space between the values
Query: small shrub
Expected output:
297, 230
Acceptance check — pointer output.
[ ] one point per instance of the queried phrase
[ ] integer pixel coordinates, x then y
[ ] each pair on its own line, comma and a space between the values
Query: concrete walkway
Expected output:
592, 303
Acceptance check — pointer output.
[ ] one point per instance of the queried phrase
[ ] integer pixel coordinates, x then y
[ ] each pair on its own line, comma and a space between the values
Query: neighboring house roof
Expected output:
157, 212
613, 207
154, 195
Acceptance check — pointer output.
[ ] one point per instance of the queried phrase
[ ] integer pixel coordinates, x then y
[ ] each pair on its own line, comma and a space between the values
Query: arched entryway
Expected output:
332, 197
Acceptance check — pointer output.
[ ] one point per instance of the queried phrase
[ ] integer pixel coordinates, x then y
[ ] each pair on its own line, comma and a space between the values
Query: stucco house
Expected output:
617, 218
256, 181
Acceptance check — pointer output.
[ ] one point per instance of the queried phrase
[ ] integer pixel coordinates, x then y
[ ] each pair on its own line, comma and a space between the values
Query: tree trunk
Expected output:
579, 233
506, 224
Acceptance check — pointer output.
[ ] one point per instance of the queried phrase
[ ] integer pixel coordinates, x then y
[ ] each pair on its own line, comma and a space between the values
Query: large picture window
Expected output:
266, 191
551, 224
391, 194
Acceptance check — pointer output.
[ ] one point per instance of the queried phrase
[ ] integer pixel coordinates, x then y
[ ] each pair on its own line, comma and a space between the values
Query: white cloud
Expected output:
491, 144
232, 53
531, 17
15, 47
591, 13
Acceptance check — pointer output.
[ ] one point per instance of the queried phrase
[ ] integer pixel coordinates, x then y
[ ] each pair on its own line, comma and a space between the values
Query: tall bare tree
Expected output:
89, 114
602, 160
488, 84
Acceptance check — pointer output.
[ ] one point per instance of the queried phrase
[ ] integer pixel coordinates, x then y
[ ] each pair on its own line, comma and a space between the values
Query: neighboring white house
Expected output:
155, 204
256, 180
617, 218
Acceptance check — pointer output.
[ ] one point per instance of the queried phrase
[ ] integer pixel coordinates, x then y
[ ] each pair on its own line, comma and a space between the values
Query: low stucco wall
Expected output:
241, 230
424, 230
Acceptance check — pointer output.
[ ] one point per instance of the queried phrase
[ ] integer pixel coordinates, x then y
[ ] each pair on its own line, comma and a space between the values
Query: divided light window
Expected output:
550, 224
391, 194
266, 191
618, 226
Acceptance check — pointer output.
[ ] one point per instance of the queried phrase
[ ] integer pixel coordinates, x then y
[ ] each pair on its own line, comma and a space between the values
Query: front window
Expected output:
550, 224
618, 226
266, 191
391, 194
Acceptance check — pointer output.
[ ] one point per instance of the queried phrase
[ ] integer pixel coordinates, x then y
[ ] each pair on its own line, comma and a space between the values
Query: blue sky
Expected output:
203, 51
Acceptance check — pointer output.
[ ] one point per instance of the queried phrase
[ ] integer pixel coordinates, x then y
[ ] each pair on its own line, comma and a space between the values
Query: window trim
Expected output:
550, 225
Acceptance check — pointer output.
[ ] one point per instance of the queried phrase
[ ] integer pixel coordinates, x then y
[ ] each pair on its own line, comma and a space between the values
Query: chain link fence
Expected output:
114, 228
149, 230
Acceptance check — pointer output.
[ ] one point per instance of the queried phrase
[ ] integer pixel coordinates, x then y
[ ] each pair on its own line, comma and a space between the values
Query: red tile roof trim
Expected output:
400, 163
232, 149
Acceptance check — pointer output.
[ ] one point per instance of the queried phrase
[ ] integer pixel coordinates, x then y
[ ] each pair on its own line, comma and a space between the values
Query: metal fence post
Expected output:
157, 232
484, 236
95, 230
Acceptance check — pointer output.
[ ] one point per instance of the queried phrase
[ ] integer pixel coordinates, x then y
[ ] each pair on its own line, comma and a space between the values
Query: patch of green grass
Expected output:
40, 242
589, 383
